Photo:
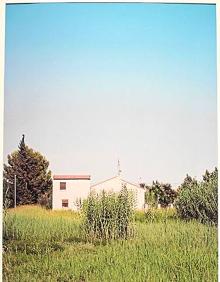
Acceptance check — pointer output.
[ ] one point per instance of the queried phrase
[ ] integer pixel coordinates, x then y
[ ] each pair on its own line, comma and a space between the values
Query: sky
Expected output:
89, 84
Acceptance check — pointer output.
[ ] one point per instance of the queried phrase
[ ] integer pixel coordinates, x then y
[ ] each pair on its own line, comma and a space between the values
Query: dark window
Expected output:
62, 185
64, 203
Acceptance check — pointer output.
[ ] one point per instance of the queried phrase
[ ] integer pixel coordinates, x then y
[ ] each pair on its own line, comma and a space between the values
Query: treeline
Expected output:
193, 199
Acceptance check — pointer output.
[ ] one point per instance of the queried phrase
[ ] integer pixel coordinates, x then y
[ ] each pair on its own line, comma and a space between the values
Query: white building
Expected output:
115, 184
68, 190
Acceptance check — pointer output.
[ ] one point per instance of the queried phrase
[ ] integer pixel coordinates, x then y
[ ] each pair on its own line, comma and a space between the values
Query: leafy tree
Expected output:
188, 182
210, 176
33, 179
160, 193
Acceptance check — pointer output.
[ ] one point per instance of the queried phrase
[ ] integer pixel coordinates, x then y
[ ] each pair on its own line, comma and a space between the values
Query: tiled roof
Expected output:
71, 177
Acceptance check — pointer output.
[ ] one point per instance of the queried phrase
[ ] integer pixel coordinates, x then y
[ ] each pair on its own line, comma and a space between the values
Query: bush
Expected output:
199, 200
108, 216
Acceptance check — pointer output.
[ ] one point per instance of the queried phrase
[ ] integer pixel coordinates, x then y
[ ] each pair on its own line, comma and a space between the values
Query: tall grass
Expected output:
46, 245
46, 228
109, 216
155, 215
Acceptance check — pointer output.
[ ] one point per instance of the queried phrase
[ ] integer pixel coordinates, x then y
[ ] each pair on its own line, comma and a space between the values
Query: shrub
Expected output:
108, 216
199, 200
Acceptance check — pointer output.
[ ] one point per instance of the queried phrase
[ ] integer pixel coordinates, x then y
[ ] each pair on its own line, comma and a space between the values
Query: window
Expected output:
64, 203
62, 185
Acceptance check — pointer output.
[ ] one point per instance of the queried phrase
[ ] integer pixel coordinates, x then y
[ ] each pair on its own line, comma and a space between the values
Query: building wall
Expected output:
75, 189
115, 185
110, 185
140, 204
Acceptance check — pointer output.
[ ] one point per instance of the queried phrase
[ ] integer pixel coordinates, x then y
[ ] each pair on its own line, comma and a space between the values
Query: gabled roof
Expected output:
125, 181
104, 181
138, 186
71, 177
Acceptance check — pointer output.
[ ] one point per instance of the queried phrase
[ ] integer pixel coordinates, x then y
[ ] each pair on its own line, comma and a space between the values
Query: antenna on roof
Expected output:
119, 168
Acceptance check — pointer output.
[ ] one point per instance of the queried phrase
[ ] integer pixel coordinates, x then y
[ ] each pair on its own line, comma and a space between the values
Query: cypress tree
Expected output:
33, 179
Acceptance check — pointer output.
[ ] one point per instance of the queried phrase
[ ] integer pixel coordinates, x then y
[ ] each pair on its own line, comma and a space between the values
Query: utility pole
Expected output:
15, 191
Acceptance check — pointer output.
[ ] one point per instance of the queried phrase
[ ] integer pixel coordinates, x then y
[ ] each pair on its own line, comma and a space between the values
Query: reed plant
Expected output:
109, 216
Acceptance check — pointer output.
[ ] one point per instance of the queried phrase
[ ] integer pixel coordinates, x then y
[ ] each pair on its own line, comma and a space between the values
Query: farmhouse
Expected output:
68, 190
115, 184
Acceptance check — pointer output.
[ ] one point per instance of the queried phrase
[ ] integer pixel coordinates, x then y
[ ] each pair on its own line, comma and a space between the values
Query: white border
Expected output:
2, 69
218, 115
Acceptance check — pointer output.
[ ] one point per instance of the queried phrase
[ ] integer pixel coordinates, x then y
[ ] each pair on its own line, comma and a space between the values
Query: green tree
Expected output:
199, 199
160, 193
210, 176
33, 179
188, 182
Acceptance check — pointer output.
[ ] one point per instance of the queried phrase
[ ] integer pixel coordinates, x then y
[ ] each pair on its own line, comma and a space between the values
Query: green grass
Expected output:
45, 245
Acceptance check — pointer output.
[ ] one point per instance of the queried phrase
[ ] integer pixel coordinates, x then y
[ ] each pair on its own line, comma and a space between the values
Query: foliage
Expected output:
109, 215
151, 197
187, 182
33, 179
160, 193
46, 245
45, 200
199, 200
7, 195
155, 215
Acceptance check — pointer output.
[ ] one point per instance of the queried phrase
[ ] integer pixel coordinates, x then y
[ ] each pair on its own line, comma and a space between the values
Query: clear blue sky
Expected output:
90, 83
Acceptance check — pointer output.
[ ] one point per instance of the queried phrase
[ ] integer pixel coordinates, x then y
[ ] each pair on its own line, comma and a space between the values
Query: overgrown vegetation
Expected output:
154, 215
109, 216
199, 200
44, 245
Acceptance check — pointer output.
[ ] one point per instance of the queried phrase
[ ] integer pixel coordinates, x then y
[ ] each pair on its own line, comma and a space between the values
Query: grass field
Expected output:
43, 245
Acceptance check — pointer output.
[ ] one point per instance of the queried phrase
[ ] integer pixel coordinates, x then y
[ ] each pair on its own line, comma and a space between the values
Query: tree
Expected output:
33, 179
199, 199
160, 193
210, 176
187, 182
